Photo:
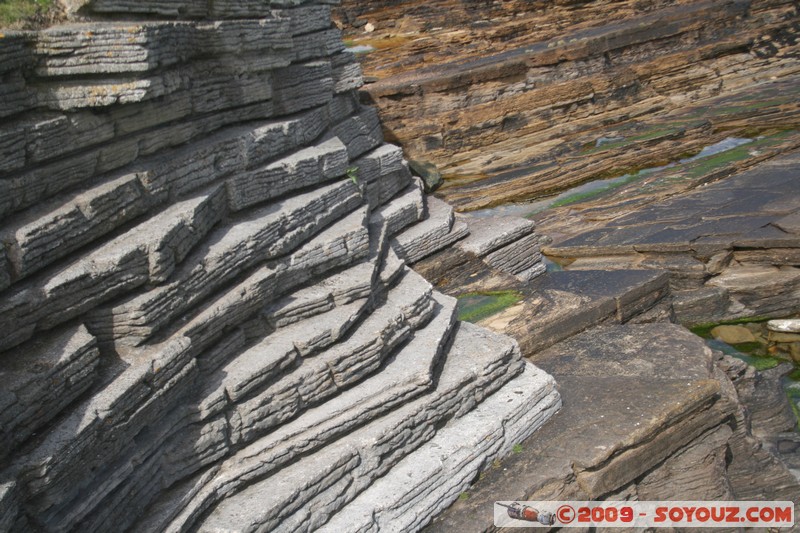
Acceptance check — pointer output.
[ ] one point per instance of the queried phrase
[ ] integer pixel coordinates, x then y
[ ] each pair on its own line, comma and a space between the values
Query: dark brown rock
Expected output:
512, 101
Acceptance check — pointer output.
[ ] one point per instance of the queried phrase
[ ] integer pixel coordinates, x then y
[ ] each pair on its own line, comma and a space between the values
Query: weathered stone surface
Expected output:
208, 448
686, 272
565, 303
321, 44
361, 133
9, 507
347, 75
148, 252
406, 209
268, 233
489, 234
306, 168
436, 473
65, 51
189, 85
338, 289
406, 377
5, 274
12, 147
265, 359
212, 158
42, 379
428, 172
311, 17
312, 81
709, 304
784, 326
760, 392
432, 234
199, 295
642, 441
15, 98
382, 173
379, 446
340, 366
760, 291
762, 415
722, 244
733, 334
519, 258
304, 17
696, 471
517, 100
74, 223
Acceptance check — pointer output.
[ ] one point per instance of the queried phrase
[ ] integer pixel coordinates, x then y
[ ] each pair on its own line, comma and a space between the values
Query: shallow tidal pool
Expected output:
762, 353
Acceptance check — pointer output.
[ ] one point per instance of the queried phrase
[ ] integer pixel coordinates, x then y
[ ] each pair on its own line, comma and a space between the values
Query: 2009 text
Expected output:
644, 514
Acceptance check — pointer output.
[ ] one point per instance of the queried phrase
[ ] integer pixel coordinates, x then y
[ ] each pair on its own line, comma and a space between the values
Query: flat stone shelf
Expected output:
732, 247
647, 415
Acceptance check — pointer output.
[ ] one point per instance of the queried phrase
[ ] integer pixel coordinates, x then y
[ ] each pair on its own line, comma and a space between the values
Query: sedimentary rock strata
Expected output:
515, 100
203, 285
208, 318
680, 430
730, 247
692, 107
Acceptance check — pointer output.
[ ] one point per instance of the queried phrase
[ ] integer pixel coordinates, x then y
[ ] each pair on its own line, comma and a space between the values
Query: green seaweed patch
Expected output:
704, 330
794, 375
708, 164
581, 196
793, 394
14, 11
759, 362
475, 306
750, 348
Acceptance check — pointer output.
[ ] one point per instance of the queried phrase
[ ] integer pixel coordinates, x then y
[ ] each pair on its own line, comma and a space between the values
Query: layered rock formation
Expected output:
650, 411
517, 100
207, 317
731, 247
680, 430
507, 98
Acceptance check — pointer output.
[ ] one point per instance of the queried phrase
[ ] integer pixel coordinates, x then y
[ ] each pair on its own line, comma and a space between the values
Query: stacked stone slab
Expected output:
207, 318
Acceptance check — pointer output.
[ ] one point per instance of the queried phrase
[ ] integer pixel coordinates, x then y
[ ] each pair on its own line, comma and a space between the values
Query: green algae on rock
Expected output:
476, 306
